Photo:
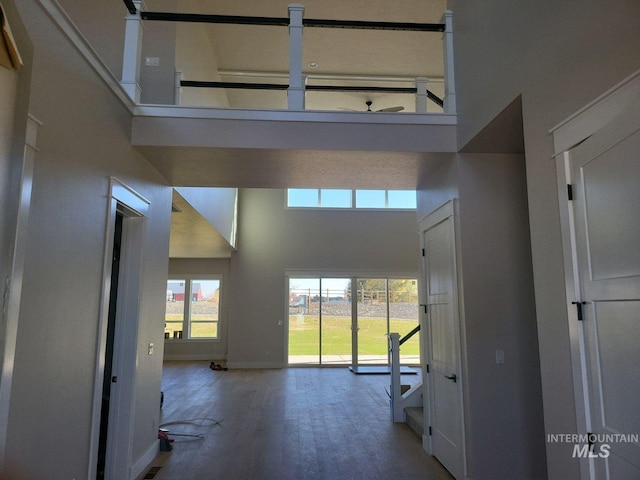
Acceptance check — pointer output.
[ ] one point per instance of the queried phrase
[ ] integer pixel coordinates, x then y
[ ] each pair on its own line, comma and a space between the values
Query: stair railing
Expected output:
395, 397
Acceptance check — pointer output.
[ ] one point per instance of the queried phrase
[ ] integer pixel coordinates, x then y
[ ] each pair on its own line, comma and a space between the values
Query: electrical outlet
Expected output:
151, 349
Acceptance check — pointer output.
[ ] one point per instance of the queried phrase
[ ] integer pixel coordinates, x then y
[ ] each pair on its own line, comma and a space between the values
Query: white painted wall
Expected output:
273, 239
83, 141
559, 57
217, 206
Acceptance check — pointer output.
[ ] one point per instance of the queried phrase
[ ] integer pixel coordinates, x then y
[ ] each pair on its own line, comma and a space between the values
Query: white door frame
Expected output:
12, 285
135, 209
446, 211
568, 134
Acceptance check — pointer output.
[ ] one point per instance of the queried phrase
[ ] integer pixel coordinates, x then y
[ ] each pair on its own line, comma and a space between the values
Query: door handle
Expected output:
453, 378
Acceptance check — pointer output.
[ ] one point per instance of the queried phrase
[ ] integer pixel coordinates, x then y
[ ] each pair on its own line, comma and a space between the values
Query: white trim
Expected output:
120, 438
251, 365
596, 114
66, 25
129, 197
566, 135
180, 357
12, 285
409, 118
145, 460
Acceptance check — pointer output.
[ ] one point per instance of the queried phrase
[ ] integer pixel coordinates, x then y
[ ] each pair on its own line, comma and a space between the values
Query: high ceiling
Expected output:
331, 56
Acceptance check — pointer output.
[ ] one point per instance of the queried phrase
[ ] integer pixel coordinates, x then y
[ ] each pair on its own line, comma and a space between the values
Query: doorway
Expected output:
606, 238
116, 359
443, 398
347, 320
108, 378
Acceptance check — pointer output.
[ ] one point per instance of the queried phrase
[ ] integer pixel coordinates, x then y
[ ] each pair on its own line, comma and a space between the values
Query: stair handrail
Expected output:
409, 335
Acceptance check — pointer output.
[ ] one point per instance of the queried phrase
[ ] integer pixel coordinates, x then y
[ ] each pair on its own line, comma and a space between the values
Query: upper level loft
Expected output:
255, 85
214, 55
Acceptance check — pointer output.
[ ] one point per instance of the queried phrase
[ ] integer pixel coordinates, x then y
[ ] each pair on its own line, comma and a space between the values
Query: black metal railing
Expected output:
409, 335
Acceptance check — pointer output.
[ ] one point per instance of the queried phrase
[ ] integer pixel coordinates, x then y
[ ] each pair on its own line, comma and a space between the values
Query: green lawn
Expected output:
336, 335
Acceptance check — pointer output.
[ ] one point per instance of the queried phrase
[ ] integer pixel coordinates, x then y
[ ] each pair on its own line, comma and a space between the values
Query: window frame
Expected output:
353, 206
186, 313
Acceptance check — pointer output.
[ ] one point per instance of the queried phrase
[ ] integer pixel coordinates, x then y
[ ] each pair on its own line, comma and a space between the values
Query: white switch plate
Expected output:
152, 61
151, 349
499, 356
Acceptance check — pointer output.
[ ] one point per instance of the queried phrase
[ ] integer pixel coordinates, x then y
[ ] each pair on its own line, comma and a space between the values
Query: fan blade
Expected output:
391, 109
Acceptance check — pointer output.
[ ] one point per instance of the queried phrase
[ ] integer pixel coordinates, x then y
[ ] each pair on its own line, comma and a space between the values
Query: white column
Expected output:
295, 93
421, 95
177, 89
449, 77
132, 57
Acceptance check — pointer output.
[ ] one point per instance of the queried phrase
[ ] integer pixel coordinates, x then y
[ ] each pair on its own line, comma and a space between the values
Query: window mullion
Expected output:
186, 324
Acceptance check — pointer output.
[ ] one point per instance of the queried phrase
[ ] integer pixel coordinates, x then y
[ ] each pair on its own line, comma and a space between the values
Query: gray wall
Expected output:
558, 56
83, 141
503, 403
273, 240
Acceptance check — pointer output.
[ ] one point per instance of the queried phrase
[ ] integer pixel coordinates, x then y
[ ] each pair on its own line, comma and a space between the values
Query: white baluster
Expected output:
295, 92
177, 92
132, 53
449, 77
421, 95
397, 407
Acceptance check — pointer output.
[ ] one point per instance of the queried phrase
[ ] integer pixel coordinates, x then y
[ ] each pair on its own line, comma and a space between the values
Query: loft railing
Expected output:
297, 87
395, 401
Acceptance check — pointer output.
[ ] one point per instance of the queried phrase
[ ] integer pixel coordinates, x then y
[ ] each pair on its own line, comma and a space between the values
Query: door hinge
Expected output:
579, 309
429, 431
425, 306
423, 252
570, 191
427, 368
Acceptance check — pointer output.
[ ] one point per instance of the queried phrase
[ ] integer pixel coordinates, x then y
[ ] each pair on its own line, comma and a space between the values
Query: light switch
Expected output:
499, 356
152, 61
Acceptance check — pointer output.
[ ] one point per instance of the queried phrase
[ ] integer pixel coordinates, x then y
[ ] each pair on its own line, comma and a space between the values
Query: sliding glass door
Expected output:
346, 321
320, 321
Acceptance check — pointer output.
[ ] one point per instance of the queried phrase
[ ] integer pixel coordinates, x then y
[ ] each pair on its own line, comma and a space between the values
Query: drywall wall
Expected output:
81, 144
217, 206
196, 58
558, 57
503, 402
202, 349
273, 240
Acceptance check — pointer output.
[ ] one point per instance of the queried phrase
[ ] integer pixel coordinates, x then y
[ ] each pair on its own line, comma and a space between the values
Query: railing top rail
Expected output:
284, 22
409, 335
319, 88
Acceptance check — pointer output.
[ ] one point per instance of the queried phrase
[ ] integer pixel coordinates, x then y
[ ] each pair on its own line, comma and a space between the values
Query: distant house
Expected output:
175, 292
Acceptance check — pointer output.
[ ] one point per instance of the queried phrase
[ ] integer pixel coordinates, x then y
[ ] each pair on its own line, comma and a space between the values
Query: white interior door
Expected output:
605, 173
445, 386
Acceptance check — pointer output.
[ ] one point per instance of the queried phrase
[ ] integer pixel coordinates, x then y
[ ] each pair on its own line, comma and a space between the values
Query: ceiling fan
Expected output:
369, 103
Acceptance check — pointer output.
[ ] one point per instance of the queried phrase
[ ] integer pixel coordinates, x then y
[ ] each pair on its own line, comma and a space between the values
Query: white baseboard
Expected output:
240, 365
194, 357
145, 460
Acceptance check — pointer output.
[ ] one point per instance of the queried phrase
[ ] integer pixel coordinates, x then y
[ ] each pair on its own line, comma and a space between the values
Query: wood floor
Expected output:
295, 423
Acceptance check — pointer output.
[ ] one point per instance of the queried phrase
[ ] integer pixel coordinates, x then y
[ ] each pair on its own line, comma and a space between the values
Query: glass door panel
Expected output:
403, 316
304, 320
373, 324
335, 301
